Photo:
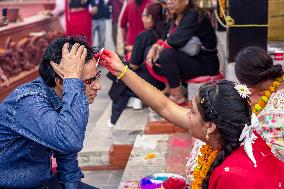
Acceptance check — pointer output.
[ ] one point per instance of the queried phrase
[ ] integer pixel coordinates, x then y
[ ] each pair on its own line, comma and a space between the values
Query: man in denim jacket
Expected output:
48, 116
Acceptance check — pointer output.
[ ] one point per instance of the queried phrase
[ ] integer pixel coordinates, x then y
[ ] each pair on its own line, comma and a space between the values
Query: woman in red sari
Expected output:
78, 17
234, 156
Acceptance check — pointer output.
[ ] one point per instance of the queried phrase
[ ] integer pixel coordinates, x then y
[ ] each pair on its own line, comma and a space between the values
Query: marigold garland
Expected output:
266, 95
204, 163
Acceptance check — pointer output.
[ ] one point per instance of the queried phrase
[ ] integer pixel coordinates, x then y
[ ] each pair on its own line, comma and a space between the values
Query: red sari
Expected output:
238, 172
78, 23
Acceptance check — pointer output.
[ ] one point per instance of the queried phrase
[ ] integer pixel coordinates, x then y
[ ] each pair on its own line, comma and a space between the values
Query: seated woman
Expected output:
153, 20
177, 64
254, 67
221, 117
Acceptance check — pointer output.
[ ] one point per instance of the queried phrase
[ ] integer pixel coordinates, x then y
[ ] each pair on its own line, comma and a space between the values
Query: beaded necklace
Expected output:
266, 95
204, 163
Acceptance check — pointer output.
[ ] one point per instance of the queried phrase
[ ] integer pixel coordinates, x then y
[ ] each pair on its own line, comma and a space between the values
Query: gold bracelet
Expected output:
122, 73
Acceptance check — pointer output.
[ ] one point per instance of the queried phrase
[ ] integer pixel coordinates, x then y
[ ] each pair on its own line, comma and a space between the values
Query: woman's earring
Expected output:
207, 137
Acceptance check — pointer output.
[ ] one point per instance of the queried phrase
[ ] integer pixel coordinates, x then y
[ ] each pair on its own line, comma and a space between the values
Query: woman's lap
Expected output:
177, 65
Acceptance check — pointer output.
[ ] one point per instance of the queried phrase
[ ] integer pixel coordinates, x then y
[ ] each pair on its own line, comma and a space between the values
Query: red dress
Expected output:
78, 23
238, 172
132, 19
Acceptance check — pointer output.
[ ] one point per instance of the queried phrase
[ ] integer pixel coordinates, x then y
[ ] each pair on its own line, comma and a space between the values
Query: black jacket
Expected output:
191, 26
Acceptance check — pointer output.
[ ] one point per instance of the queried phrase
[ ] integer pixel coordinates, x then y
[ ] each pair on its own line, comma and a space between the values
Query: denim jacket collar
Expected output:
55, 99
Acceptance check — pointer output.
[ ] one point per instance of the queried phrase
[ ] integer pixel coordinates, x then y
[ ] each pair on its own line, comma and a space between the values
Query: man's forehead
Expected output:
91, 61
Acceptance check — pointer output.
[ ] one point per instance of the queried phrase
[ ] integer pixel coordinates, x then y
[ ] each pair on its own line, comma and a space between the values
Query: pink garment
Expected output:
131, 19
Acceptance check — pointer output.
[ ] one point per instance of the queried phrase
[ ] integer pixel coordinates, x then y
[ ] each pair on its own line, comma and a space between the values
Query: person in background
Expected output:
234, 155
131, 21
79, 19
153, 21
116, 6
179, 65
254, 67
59, 11
48, 117
99, 22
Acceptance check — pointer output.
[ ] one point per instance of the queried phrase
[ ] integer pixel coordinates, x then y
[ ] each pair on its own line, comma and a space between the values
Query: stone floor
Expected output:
103, 179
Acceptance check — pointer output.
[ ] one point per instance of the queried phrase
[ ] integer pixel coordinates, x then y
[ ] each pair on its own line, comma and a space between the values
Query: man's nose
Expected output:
96, 85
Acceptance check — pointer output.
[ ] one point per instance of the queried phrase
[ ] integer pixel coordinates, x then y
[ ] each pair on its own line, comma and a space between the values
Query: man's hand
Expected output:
94, 10
72, 63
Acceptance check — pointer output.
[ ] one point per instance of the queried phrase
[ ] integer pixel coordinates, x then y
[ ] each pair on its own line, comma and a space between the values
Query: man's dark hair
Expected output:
54, 53
254, 65
221, 104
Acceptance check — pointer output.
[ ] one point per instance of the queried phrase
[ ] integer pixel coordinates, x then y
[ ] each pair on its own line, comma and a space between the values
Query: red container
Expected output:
278, 56
13, 14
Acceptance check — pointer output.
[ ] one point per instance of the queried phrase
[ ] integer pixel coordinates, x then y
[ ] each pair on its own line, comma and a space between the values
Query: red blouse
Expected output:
238, 172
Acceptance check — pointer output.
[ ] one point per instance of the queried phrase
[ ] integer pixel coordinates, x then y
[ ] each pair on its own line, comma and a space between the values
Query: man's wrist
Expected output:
72, 76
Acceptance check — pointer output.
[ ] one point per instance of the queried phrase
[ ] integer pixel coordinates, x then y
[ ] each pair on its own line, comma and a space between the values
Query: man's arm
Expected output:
63, 131
123, 24
68, 171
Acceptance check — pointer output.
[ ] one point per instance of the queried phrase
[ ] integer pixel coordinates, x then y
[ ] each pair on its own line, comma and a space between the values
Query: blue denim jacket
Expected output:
34, 124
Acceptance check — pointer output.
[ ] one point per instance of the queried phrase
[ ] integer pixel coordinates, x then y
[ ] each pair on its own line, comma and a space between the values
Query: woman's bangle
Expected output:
122, 73
156, 45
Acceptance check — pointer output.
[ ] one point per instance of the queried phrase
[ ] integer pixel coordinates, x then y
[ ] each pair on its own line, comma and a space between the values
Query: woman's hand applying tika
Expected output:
111, 61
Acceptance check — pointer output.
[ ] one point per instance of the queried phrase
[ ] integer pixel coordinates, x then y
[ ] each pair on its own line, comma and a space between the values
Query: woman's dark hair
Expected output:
221, 104
156, 10
254, 65
54, 53
202, 13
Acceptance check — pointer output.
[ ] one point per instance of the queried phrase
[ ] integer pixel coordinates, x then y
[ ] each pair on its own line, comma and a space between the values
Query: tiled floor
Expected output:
103, 179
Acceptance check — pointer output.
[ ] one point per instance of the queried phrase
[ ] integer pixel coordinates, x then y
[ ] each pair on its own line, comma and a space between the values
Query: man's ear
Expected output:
59, 82
211, 128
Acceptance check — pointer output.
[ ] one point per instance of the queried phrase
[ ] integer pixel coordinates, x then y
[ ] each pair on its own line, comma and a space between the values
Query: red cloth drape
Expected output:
78, 23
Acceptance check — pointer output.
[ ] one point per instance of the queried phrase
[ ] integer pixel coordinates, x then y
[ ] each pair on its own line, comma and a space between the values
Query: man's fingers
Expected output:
80, 51
65, 50
57, 69
84, 54
74, 48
